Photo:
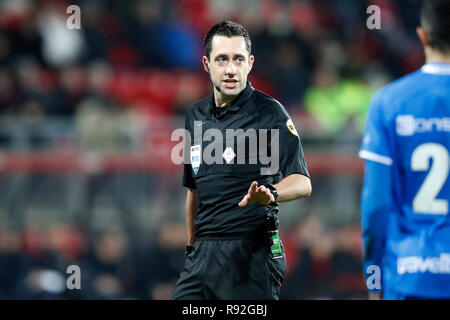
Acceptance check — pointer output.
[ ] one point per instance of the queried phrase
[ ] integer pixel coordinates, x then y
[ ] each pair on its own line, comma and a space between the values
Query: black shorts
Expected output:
230, 270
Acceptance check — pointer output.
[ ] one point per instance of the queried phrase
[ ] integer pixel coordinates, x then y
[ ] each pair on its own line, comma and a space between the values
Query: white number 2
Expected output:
425, 200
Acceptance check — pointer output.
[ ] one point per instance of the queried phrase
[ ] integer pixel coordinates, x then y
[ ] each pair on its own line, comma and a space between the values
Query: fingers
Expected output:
244, 201
269, 196
267, 192
253, 187
248, 197
256, 191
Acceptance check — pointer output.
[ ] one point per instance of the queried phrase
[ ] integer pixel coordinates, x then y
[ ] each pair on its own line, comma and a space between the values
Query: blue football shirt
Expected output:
405, 212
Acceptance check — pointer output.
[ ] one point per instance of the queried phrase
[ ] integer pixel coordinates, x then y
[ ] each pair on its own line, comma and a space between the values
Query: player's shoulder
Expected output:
398, 90
269, 105
198, 106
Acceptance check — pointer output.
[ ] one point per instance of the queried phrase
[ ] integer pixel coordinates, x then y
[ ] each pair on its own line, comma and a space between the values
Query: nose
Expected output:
231, 69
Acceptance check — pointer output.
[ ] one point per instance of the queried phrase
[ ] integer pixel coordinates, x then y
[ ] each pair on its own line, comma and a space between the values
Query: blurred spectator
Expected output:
61, 46
334, 101
163, 261
32, 113
323, 263
108, 268
7, 91
291, 74
13, 263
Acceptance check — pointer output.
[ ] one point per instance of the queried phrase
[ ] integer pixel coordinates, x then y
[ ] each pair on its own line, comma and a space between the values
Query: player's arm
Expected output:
189, 183
293, 187
376, 203
191, 211
376, 197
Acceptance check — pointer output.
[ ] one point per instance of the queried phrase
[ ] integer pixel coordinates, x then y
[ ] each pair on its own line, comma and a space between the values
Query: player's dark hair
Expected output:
228, 29
435, 19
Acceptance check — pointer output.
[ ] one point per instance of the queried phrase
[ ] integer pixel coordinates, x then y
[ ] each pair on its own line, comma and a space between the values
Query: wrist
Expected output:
191, 241
273, 191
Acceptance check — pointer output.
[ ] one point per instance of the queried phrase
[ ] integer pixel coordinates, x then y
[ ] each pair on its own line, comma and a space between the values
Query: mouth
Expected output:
230, 83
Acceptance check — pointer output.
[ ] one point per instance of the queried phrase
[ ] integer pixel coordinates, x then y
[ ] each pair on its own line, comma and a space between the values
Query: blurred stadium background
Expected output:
85, 123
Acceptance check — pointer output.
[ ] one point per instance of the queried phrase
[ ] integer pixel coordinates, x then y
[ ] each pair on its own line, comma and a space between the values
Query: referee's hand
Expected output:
256, 194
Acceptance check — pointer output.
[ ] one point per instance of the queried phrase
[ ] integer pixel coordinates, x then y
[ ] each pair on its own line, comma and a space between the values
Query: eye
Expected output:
240, 59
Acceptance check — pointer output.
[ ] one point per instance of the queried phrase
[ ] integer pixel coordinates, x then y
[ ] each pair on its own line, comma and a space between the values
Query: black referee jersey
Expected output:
222, 183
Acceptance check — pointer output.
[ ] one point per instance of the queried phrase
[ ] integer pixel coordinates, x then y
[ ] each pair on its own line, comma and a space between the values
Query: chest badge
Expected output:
195, 158
228, 154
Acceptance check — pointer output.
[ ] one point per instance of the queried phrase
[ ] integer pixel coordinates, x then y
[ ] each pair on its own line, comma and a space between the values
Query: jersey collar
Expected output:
241, 99
436, 68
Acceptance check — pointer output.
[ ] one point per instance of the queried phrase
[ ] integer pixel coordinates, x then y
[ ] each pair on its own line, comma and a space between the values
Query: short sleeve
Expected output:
188, 180
375, 146
292, 159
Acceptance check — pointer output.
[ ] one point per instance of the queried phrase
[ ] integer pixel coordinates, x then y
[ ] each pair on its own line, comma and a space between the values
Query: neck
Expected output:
436, 56
222, 100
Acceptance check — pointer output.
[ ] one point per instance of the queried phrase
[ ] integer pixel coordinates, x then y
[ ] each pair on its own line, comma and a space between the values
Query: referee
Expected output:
233, 249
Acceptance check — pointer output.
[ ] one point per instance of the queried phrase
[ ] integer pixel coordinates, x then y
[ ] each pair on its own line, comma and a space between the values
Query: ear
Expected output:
251, 60
205, 62
423, 36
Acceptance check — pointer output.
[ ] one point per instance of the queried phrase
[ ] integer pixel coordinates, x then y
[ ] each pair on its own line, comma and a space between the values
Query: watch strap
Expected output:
273, 190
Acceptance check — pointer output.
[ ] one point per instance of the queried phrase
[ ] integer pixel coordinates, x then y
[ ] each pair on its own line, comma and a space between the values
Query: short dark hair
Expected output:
435, 19
228, 29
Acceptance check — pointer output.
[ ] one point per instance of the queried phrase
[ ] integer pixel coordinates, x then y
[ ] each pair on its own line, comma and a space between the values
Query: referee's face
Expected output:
229, 64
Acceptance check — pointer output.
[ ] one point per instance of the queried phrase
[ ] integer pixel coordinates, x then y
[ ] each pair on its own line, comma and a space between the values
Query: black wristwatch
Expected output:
273, 191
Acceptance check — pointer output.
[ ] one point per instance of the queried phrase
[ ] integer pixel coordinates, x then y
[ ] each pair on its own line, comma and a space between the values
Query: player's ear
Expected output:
205, 62
423, 36
251, 60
